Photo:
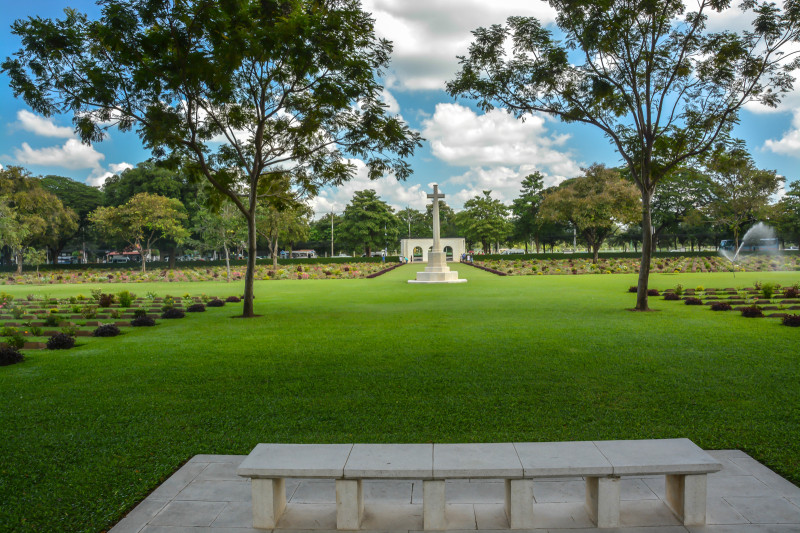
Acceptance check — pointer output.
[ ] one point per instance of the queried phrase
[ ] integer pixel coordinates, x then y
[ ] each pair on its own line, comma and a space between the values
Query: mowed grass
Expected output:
87, 433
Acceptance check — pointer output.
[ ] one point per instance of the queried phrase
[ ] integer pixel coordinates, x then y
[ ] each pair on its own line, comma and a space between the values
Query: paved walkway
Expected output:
206, 496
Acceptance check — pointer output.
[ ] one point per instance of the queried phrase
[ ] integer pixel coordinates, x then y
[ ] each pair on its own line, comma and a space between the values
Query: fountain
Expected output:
758, 239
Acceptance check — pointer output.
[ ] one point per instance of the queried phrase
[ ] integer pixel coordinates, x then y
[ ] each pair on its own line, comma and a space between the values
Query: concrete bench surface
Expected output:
601, 463
485, 460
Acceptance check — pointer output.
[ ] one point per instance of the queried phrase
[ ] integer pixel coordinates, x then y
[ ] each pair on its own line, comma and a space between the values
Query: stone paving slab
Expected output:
206, 496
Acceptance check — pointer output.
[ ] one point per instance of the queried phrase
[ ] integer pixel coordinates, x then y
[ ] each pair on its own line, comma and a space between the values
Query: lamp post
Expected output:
331, 233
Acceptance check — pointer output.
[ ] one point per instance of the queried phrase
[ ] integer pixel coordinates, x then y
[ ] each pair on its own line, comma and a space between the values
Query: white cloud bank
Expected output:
499, 150
427, 36
72, 155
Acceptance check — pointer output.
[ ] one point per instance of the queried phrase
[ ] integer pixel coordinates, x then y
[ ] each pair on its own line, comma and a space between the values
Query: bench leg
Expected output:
519, 503
602, 500
349, 503
269, 501
686, 495
433, 505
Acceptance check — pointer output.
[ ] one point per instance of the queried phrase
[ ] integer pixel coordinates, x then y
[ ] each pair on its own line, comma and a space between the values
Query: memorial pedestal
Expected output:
437, 271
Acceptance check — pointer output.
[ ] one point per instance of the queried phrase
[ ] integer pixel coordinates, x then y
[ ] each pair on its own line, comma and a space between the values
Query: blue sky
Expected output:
466, 151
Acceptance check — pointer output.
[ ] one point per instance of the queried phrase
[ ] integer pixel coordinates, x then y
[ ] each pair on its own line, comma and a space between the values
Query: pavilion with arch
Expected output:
454, 248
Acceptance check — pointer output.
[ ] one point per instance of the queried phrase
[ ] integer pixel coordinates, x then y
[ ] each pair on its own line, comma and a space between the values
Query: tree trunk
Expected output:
595, 252
19, 262
227, 261
247, 306
275, 255
647, 252
173, 251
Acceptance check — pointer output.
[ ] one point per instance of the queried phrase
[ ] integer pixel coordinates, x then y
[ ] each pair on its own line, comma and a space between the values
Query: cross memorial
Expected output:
437, 270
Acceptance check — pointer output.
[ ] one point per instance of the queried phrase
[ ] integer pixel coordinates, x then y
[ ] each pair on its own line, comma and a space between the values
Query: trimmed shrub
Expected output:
173, 313
60, 341
125, 298
671, 296
693, 301
143, 321
721, 306
106, 330
216, 302
792, 292
633, 288
139, 313
653, 292
233, 299
52, 320
752, 311
196, 308
791, 320
10, 356
106, 300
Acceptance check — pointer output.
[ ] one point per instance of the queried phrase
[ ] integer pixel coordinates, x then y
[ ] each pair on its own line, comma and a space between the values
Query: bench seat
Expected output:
601, 463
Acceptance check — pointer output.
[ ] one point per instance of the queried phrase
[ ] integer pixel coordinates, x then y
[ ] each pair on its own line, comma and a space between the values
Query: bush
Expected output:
139, 313
767, 290
792, 292
14, 339
106, 330
679, 289
52, 320
196, 308
752, 311
633, 288
653, 292
105, 300
216, 302
791, 320
60, 341
125, 298
143, 321
10, 356
173, 313
233, 299
671, 296
721, 306
693, 301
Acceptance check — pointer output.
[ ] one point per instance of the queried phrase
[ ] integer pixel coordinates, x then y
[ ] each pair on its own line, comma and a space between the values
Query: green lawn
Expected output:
86, 433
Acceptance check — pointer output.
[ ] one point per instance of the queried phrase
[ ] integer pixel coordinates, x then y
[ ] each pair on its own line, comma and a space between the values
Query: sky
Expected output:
465, 150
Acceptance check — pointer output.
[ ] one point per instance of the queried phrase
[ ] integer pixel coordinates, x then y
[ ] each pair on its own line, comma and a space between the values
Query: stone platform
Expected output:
437, 271
206, 496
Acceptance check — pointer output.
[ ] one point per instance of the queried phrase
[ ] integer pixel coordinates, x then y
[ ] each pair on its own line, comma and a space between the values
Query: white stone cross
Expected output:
436, 197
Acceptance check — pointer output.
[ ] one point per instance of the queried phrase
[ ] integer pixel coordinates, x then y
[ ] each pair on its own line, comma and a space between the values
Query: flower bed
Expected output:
353, 270
539, 267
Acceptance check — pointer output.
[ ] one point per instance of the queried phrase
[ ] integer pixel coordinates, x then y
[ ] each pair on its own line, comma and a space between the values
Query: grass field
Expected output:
86, 433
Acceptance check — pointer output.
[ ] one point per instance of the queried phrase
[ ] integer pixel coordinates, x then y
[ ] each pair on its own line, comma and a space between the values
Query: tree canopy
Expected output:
649, 75
596, 204
369, 222
242, 93
484, 220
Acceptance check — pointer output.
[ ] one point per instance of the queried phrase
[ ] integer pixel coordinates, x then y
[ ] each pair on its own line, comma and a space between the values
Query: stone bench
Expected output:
601, 463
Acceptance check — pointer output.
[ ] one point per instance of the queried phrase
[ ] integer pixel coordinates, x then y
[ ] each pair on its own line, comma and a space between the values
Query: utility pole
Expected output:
331, 233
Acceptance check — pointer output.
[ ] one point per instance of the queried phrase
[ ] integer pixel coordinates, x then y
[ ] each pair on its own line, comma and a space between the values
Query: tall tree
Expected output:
787, 213
525, 208
414, 224
659, 86
596, 204
152, 178
38, 215
368, 222
217, 227
686, 190
243, 93
741, 192
484, 220
282, 224
143, 220
81, 198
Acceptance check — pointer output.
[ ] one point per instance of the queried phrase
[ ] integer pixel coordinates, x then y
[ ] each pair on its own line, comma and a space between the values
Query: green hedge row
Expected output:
162, 265
612, 255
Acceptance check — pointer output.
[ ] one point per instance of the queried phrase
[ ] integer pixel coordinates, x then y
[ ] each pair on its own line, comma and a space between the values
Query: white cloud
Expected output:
390, 101
100, 175
427, 36
397, 194
72, 155
789, 144
44, 127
